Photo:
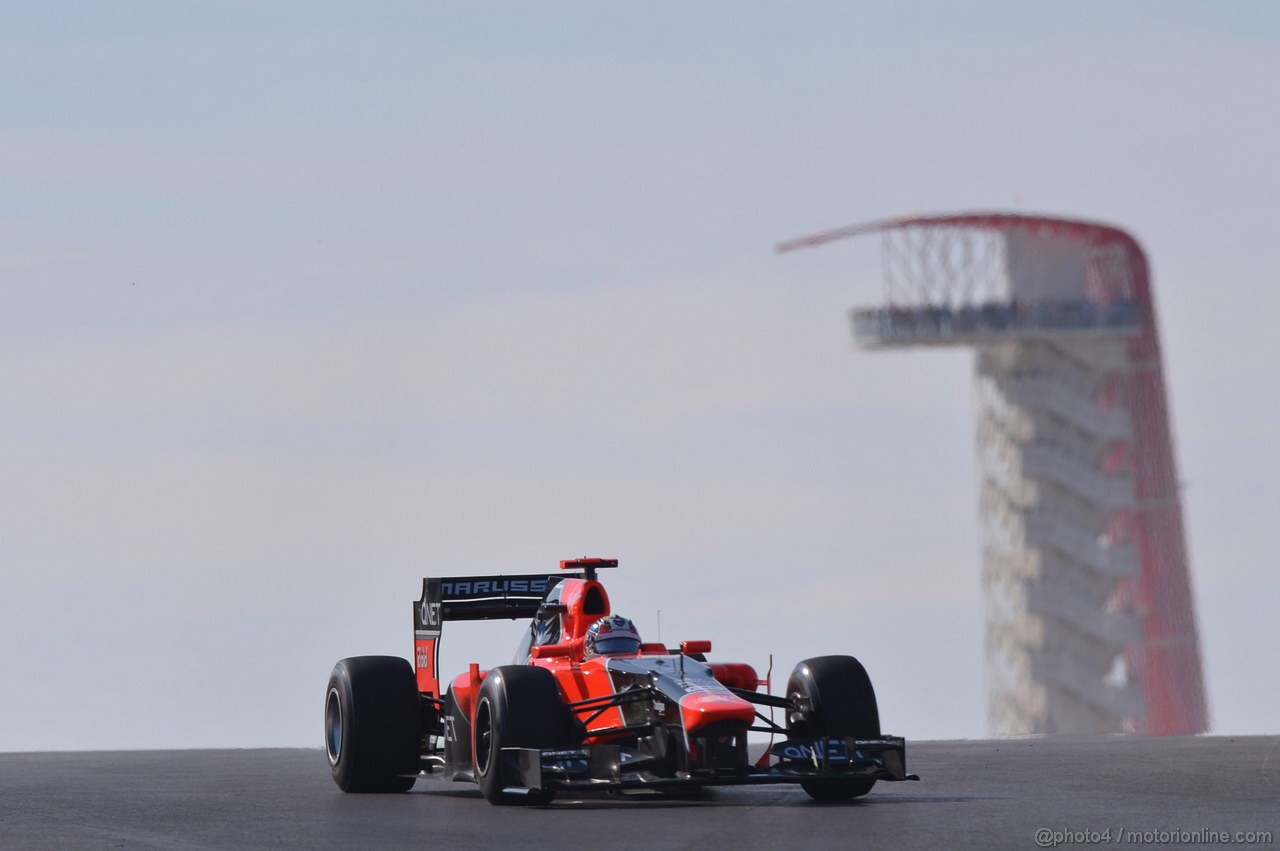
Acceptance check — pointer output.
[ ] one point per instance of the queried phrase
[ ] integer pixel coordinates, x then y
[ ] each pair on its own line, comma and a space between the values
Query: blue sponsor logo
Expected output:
565, 762
837, 750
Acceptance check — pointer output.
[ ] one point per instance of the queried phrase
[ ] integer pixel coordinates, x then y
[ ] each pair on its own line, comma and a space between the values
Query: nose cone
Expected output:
721, 711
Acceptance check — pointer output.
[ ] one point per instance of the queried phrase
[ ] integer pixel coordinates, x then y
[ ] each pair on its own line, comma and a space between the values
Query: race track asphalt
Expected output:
973, 794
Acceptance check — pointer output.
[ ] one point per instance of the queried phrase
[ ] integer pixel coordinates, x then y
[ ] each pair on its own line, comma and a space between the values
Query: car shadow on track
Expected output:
715, 802
717, 799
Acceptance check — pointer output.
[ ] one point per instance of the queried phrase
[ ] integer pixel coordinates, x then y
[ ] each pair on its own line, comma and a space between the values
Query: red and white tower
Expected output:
1090, 621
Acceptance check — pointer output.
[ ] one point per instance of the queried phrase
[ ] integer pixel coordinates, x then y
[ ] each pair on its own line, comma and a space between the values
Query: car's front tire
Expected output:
833, 697
372, 724
518, 706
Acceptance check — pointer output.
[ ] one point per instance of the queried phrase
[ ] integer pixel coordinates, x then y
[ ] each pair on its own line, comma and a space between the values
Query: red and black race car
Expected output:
589, 706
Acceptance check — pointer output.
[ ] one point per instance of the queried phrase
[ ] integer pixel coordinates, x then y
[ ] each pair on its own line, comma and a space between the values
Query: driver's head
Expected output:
614, 634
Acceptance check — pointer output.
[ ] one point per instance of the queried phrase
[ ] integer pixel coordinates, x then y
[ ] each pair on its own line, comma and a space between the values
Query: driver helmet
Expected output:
614, 634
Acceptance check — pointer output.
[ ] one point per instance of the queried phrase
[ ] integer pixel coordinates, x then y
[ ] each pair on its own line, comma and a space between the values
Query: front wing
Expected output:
608, 767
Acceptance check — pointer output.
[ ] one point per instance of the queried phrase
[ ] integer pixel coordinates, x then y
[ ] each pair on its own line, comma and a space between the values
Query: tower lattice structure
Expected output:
1090, 620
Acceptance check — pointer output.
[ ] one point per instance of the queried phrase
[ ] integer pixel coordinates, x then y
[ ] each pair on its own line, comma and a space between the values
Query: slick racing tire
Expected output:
519, 706
833, 697
372, 724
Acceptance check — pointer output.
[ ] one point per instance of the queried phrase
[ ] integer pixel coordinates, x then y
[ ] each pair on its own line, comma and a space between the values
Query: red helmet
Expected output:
614, 634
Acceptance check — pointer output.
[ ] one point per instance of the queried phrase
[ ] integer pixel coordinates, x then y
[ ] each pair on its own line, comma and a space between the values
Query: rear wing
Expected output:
470, 598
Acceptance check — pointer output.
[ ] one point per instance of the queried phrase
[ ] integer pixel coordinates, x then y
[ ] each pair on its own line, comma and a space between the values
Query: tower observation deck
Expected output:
1090, 620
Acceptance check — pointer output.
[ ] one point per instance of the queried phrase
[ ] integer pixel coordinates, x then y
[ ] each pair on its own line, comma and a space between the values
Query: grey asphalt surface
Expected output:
973, 794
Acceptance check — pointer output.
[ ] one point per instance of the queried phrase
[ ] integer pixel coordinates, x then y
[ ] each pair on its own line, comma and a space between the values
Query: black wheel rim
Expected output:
484, 736
800, 719
333, 726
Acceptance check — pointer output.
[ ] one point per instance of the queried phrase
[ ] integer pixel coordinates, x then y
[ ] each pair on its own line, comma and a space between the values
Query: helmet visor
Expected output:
621, 644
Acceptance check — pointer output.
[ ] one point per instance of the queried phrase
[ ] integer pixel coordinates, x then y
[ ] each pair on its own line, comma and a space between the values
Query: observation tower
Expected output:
1090, 620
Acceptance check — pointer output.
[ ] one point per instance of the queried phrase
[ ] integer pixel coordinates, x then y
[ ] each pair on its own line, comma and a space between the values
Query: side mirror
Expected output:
552, 651
688, 648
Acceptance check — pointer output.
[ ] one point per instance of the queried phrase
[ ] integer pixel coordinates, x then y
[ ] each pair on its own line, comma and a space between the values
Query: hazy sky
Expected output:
303, 301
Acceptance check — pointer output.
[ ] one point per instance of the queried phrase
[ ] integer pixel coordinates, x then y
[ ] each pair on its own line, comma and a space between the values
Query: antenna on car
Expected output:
588, 566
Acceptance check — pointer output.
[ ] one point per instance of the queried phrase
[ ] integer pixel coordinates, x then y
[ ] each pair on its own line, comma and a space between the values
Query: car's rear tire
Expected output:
372, 724
519, 706
833, 697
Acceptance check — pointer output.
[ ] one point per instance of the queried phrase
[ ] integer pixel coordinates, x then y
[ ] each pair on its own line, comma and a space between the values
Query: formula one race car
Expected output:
589, 706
